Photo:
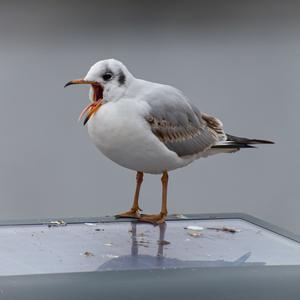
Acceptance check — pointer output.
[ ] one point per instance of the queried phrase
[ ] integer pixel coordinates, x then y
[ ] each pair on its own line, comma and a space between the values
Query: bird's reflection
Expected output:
158, 260
138, 240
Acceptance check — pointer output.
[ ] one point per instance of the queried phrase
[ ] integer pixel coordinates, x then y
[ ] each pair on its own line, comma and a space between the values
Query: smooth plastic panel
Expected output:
86, 247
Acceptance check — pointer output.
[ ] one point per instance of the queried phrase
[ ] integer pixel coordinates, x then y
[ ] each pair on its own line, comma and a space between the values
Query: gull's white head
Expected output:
112, 75
109, 80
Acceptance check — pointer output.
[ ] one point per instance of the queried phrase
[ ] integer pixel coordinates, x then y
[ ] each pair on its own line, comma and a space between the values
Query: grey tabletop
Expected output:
223, 256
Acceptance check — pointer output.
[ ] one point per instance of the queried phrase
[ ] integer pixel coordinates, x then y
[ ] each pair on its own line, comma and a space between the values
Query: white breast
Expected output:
120, 132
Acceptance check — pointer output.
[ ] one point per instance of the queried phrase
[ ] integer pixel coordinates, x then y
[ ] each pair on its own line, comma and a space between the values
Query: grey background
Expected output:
238, 60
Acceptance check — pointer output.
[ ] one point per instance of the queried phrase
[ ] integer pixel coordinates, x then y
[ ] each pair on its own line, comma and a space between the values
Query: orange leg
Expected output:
160, 218
134, 212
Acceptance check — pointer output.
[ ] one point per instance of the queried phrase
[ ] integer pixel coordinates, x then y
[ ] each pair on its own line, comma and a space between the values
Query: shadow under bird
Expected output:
150, 128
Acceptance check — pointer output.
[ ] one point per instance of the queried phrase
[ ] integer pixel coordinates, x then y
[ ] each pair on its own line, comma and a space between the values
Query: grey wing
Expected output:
180, 125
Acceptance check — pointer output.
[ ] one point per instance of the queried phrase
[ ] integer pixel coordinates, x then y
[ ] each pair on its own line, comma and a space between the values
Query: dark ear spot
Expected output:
122, 78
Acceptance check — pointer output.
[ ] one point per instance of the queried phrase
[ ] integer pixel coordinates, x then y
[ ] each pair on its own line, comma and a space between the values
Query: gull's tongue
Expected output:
89, 110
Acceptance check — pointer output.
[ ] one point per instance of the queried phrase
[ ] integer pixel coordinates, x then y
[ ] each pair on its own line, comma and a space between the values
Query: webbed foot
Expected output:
153, 219
133, 214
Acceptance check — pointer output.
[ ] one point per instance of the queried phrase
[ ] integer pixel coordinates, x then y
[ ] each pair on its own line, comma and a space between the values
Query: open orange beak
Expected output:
89, 110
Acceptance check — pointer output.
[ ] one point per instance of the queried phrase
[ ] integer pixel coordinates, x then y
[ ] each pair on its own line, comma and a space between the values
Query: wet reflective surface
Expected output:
38, 249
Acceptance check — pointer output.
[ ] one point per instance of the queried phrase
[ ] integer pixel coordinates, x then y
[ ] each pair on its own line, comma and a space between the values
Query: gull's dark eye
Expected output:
107, 76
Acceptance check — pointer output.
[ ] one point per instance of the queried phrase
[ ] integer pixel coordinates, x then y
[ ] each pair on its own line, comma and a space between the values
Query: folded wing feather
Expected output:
180, 125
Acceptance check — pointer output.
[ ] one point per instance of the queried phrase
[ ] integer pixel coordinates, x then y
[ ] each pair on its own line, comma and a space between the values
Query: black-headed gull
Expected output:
149, 127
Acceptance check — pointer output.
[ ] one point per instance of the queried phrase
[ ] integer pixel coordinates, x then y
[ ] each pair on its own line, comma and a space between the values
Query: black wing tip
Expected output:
247, 146
234, 146
243, 140
262, 141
